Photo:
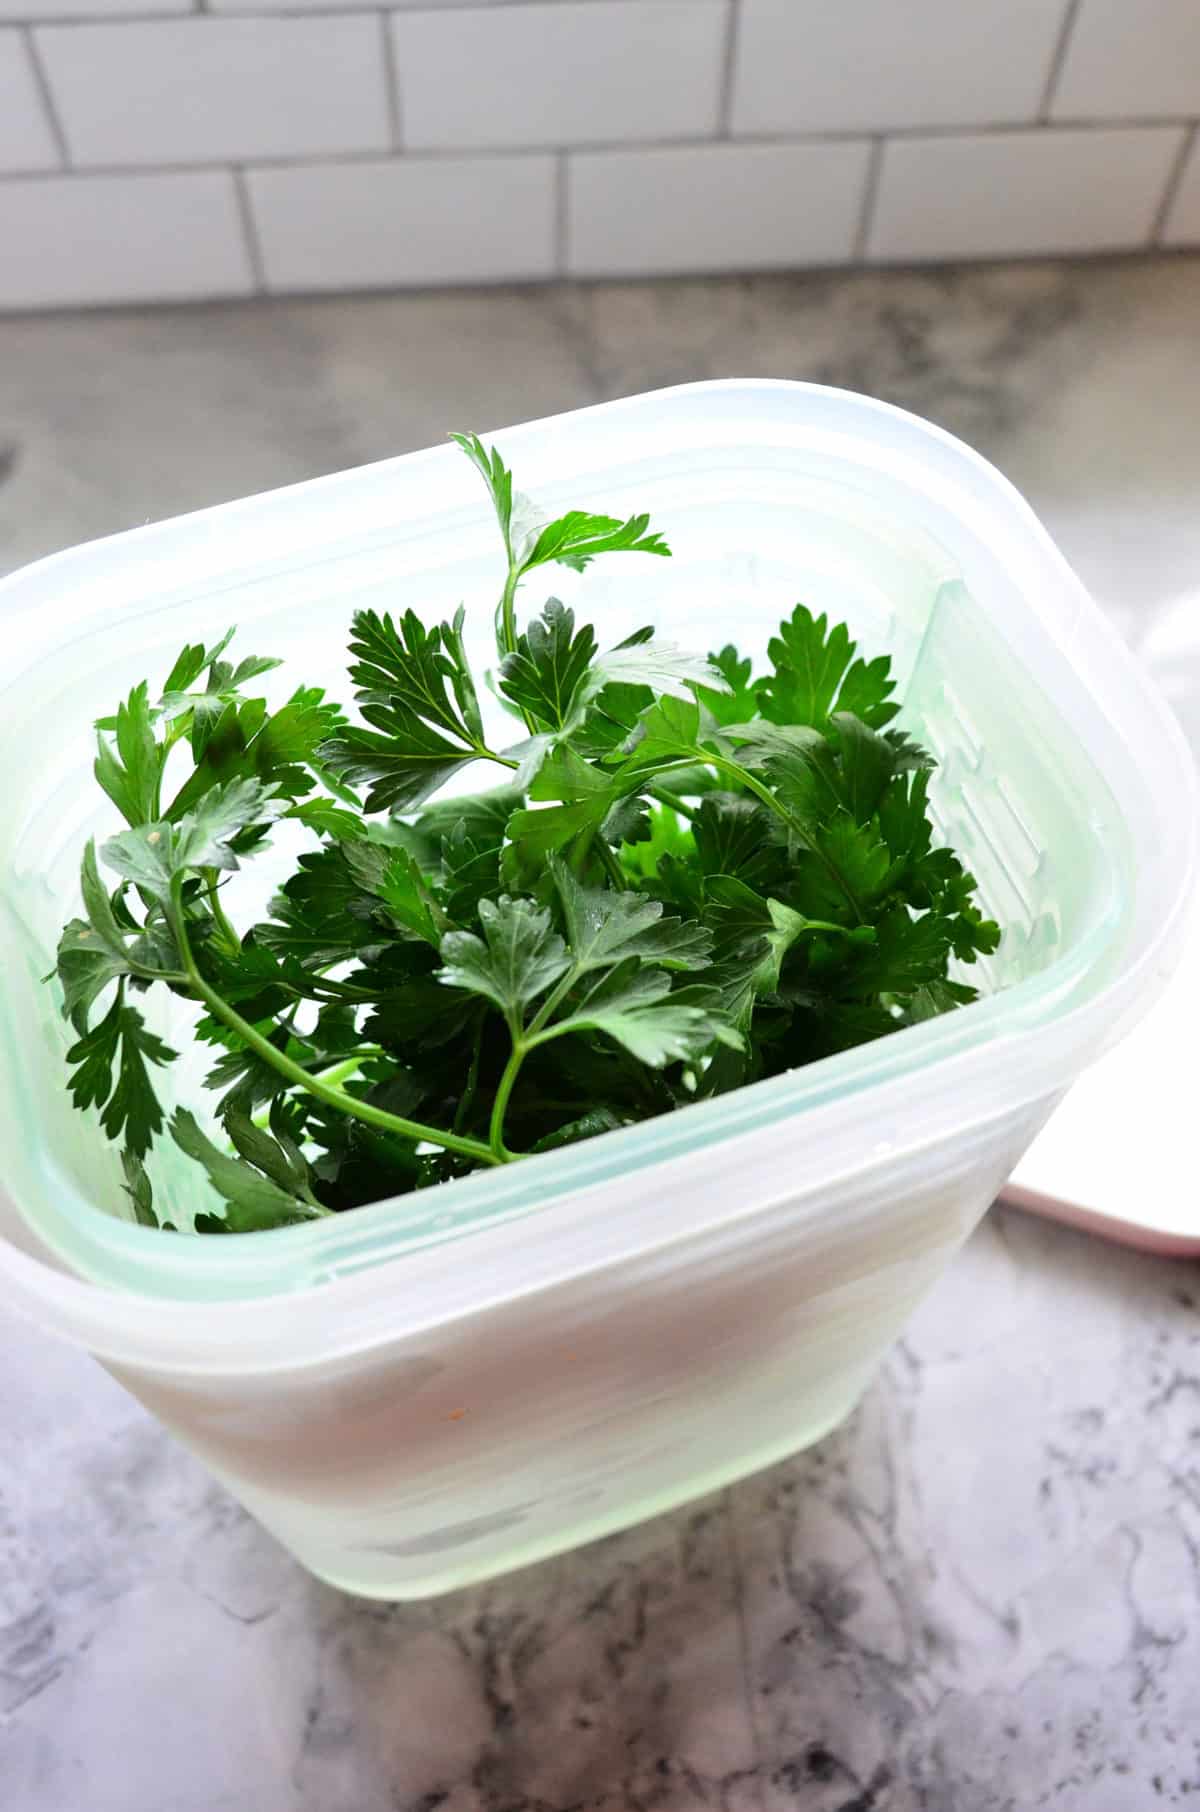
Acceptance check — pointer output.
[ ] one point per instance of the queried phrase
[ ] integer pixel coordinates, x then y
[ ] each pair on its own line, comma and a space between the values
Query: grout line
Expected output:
866, 218
692, 141
560, 215
310, 161
1058, 60
1190, 138
245, 209
729, 55
42, 84
391, 75
488, 154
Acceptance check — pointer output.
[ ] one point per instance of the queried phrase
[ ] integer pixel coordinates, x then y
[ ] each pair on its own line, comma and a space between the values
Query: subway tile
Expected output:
200, 90
1183, 221
1011, 194
713, 207
376, 225
1130, 59
78, 240
26, 141
325, 6
43, 11
865, 65
572, 72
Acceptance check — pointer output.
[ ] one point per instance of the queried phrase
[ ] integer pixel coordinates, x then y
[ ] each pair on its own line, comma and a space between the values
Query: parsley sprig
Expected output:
686, 878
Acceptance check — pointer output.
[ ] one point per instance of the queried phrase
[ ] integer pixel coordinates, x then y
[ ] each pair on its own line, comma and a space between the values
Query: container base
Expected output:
404, 1589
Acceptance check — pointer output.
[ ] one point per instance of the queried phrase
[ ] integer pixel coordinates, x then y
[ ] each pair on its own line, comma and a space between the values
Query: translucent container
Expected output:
433, 1389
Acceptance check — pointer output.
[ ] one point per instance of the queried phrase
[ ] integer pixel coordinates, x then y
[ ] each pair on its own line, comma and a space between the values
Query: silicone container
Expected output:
435, 1388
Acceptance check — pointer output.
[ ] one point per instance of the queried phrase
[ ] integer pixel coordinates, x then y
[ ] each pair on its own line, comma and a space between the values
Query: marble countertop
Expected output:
980, 1595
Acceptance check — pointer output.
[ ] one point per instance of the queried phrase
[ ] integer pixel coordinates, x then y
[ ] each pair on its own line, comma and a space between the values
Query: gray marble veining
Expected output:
983, 1593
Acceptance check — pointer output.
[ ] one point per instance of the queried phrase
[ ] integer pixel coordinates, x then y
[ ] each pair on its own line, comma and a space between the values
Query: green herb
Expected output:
684, 878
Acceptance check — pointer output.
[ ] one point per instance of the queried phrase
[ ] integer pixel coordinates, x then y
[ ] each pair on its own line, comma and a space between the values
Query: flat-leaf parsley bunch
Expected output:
686, 879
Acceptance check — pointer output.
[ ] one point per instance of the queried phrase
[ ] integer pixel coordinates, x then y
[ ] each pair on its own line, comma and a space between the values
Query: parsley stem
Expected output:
508, 613
506, 629
338, 1072
553, 1000
524, 1040
665, 796
612, 867
497, 1149
486, 754
232, 941
314, 1085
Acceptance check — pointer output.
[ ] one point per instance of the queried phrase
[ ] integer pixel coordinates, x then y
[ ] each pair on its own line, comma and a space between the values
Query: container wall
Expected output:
1016, 800
502, 1437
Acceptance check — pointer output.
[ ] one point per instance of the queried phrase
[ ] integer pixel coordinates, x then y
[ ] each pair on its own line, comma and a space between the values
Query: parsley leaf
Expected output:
576, 538
130, 773
109, 1072
245, 741
542, 673
153, 856
519, 955
198, 713
254, 1199
637, 1007
409, 666
555, 672
571, 540
394, 878
85, 968
604, 928
495, 475
737, 699
137, 1188
416, 691
815, 673
402, 766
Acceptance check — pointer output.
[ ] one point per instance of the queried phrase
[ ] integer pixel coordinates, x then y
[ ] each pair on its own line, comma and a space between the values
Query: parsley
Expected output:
684, 877
110, 1073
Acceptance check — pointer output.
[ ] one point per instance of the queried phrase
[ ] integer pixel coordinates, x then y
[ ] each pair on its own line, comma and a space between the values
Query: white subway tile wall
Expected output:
868, 65
418, 220
563, 72
1183, 220
1014, 194
713, 207
26, 139
325, 6
291, 145
188, 91
135, 238
1130, 58
34, 10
